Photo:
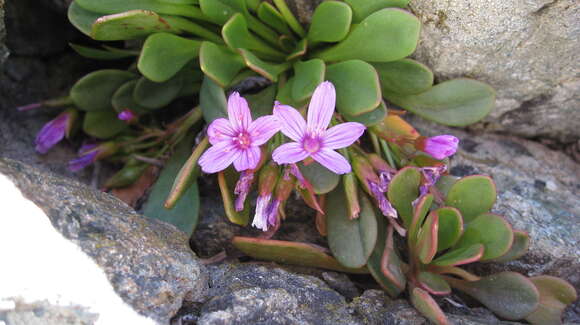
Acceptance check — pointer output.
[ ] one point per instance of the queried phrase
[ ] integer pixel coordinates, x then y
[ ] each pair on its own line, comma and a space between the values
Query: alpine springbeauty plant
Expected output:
327, 123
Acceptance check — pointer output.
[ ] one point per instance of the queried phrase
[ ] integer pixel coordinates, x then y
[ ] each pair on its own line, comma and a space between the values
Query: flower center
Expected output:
311, 144
243, 140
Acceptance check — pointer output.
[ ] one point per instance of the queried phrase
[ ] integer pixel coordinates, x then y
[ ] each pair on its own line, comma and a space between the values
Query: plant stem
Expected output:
375, 141
263, 31
289, 17
193, 28
388, 154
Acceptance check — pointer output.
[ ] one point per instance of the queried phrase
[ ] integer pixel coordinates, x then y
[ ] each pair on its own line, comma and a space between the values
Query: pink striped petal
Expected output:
248, 159
262, 129
332, 160
218, 157
239, 112
321, 107
289, 153
220, 130
292, 124
343, 135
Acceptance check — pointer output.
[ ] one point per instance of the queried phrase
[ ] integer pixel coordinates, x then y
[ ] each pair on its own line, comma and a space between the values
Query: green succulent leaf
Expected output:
267, 70
253, 4
261, 103
307, 76
386, 35
123, 99
273, 18
433, 283
98, 54
450, 227
510, 295
299, 50
130, 25
355, 98
212, 100
153, 95
284, 95
116, 6
404, 77
420, 211
237, 36
371, 118
103, 124
457, 102
427, 239
490, 230
460, 256
290, 253
363, 8
403, 190
350, 241
519, 247
384, 263
555, 295
81, 18
164, 54
184, 215
219, 63
94, 91
427, 306
126, 175
445, 183
322, 179
472, 196
219, 11
330, 22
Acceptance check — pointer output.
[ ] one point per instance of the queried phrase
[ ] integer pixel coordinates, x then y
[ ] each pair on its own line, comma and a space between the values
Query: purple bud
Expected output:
440, 147
126, 115
29, 107
384, 204
243, 187
261, 216
83, 161
273, 212
51, 133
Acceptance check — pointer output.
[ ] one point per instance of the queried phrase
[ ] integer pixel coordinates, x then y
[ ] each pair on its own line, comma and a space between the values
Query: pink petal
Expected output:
239, 112
343, 135
321, 107
292, 124
248, 159
218, 157
332, 160
262, 129
220, 130
289, 153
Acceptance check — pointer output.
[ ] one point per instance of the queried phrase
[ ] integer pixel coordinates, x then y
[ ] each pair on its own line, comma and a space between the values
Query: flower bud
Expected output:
89, 153
283, 191
439, 147
55, 130
396, 130
351, 191
127, 115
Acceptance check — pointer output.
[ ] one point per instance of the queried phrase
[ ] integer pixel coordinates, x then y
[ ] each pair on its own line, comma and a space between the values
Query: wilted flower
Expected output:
237, 139
89, 153
439, 147
243, 188
54, 131
430, 176
312, 139
266, 185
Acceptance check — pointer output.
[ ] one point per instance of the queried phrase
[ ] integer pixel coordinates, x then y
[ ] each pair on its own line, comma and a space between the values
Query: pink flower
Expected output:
439, 147
312, 139
87, 155
237, 139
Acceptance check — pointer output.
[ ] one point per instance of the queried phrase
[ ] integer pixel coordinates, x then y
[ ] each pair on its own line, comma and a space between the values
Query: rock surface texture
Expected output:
526, 50
148, 262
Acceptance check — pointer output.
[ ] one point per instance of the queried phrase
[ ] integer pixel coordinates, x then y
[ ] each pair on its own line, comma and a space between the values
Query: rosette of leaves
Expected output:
360, 46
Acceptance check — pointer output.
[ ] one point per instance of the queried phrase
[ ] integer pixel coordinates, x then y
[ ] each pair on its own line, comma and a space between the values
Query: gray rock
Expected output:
148, 262
526, 50
255, 294
341, 283
3, 50
44, 313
